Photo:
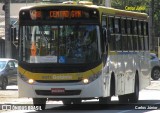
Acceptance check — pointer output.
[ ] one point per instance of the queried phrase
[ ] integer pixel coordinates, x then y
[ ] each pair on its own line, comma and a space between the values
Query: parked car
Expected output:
155, 67
8, 72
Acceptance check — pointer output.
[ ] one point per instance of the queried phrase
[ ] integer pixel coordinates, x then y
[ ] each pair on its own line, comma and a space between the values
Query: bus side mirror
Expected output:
13, 34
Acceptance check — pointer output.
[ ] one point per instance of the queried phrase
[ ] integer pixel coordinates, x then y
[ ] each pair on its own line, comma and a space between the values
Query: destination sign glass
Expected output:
51, 14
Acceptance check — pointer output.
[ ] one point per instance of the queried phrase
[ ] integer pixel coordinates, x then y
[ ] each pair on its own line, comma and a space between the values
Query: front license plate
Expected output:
57, 90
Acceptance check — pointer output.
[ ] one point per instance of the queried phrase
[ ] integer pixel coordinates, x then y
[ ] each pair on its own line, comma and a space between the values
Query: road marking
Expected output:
124, 111
154, 111
12, 87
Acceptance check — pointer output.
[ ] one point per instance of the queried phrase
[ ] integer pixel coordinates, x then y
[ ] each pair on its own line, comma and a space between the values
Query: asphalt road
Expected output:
148, 97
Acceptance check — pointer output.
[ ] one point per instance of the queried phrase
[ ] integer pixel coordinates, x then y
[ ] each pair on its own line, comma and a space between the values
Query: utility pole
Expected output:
8, 51
151, 26
108, 3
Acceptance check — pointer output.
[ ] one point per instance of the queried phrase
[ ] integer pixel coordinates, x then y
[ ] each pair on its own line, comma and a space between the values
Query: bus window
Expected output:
134, 27
130, 43
141, 43
123, 26
111, 23
135, 43
146, 35
139, 28
117, 25
129, 26
146, 43
124, 43
145, 28
118, 42
142, 27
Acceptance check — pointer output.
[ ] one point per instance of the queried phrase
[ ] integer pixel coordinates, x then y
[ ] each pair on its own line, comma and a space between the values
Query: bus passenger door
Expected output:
105, 77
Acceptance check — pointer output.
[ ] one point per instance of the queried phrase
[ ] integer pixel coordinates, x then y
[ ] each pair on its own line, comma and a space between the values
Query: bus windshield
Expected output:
59, 44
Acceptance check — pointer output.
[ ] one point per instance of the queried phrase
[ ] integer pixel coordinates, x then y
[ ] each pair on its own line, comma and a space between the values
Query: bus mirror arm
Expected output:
13, 34
108, 36
104, 35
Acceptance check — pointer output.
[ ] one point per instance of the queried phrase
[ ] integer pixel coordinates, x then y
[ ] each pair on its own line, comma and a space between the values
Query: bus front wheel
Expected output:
104, 100
41, 102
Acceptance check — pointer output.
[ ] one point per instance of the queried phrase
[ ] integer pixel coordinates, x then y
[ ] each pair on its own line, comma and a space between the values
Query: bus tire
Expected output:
67, 102
133, 97
123, 98
40, 102
104, 100
77, 101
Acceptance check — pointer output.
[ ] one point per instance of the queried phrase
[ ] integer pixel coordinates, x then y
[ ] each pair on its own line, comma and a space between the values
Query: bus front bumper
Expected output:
60, 90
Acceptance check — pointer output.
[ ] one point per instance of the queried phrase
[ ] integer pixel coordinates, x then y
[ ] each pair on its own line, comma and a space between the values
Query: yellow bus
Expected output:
74, 52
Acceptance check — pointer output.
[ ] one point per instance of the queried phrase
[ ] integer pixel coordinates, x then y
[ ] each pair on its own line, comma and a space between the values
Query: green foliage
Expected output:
156, 17
122, 4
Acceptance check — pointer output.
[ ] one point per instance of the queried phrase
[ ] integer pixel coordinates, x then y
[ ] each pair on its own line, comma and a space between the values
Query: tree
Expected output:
97, 2
121, 4
156, 17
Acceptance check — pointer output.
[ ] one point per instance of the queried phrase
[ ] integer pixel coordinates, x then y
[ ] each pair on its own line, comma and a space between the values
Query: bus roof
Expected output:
107, 10
123, 13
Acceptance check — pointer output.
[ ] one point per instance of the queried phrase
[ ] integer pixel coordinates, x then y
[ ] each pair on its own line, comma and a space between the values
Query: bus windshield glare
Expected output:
60, 44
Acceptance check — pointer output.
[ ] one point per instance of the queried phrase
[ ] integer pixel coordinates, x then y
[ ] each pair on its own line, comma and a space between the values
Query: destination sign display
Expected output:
54, 14
65, 14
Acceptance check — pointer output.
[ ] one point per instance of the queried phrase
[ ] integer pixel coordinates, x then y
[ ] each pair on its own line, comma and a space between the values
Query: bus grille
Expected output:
49, 93
58, 81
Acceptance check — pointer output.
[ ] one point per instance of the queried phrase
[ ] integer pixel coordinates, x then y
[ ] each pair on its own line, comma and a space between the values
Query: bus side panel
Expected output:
129, 72
145, 69
125, 73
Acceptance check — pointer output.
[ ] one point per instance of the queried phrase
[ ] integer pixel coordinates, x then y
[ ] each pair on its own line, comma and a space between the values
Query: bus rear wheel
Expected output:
66, 102
40, 102
133, 98
123, 98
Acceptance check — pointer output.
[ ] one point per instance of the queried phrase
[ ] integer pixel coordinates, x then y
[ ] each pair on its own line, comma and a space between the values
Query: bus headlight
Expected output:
30, 81
85, 81
91, 78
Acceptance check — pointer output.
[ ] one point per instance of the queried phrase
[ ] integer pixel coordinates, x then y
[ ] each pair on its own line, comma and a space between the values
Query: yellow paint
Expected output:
135, 8
59, 76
